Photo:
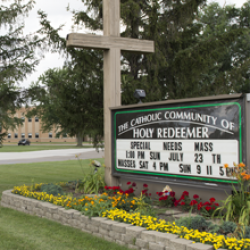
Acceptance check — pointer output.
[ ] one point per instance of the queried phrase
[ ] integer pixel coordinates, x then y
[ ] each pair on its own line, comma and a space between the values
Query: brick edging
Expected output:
133, 237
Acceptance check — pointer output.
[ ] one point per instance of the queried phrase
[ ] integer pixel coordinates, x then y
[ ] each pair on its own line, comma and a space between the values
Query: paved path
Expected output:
49, 155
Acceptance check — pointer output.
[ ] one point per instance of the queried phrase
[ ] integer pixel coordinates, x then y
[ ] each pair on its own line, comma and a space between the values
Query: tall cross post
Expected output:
112, 44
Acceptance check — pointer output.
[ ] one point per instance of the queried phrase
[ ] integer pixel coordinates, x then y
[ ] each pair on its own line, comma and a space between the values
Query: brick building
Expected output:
31, 129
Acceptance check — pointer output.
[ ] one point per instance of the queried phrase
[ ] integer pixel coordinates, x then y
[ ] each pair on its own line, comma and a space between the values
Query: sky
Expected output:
58, 15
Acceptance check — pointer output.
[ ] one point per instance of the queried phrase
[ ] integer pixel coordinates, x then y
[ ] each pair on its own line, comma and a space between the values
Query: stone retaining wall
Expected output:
133, 237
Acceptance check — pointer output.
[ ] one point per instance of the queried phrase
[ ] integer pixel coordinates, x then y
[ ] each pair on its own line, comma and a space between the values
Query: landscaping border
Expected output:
133, 237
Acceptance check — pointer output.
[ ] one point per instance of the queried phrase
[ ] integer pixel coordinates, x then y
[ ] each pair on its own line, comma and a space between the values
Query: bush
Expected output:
52, 189
227, 227
198, 222
246, 231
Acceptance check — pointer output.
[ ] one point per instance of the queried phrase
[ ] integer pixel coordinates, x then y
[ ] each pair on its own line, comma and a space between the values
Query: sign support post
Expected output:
112, 44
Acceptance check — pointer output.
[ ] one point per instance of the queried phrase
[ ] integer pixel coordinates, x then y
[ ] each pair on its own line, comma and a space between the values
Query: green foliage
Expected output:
196, 222
236, 207
96, 208
72, 98
246, 232
52, 189
228, 227
199, 50
214, 228
144, 206
18, 58
94, 181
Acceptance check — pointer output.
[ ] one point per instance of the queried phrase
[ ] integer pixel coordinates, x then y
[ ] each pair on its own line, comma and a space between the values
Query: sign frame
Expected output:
222, 100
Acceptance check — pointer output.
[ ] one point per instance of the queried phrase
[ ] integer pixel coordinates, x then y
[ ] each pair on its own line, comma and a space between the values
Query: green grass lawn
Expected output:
19, 231
15, 148
46, 172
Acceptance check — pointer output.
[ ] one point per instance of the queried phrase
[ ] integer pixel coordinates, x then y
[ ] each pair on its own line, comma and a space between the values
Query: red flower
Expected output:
149, 194
106, 187
144, 191
196, 196
133, 184
212, 200
208, 208
182, 203
182, 197
185, 193
145, 185
216, 204
200, 205
172, 194
176, 203
128, 183
193, 202
206, 203
160, 193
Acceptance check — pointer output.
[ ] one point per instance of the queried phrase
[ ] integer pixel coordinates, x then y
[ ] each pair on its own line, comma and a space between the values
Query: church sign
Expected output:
187, 140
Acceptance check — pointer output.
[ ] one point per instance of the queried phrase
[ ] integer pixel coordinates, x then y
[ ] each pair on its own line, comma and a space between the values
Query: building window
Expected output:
36, 119
30, 135
37, 135
57, 135
23, 135
23, 118
50, 135
16, 135
64, 135
29, 119
9, 136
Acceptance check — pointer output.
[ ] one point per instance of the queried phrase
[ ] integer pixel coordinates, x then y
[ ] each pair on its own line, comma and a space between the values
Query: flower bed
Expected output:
151, 223
122, 206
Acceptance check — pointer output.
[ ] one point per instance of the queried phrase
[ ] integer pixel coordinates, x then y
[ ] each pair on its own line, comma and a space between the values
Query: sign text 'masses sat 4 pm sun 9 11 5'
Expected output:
190, 140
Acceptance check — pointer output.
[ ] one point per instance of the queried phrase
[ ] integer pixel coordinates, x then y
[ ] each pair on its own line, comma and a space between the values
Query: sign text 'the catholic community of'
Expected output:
194, 141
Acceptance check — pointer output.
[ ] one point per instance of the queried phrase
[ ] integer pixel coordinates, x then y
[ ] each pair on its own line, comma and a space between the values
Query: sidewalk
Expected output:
49, 155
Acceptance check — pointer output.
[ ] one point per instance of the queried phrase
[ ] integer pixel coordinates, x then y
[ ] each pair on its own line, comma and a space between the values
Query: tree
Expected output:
68, 101
230, 71
72, 97
17, 60
181, 65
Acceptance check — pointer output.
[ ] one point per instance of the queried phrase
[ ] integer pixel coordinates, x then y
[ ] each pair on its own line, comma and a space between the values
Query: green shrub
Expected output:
197, 222
246, 231
52, 189
94, 181
214, 228
227, 227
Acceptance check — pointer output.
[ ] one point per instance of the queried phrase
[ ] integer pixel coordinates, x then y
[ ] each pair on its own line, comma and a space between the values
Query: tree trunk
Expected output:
79, 137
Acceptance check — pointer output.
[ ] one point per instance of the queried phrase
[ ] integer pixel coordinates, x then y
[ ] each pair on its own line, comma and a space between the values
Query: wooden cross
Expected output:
112, 44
